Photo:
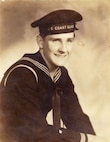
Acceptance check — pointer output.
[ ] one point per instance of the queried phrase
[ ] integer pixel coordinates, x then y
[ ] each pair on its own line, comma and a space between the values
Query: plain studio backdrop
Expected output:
89, 64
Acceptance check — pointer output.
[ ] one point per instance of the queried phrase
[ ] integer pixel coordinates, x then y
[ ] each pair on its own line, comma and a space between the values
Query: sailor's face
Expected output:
57, 48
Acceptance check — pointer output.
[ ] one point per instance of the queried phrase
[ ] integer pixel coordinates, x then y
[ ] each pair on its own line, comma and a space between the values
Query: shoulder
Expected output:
21, 70
64, 70
65, 73
66, 77
20, 74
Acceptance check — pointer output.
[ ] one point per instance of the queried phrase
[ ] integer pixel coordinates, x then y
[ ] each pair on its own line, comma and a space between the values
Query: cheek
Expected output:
70, 48
52, 48
47, 51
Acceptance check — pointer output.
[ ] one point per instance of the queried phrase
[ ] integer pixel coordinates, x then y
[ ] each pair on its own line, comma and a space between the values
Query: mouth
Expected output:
61, 55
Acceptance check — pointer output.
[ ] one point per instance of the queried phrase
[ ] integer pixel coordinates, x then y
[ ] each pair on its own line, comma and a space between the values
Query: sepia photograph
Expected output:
54, 71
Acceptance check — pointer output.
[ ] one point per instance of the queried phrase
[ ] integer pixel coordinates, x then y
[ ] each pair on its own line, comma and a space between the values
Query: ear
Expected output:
40, 41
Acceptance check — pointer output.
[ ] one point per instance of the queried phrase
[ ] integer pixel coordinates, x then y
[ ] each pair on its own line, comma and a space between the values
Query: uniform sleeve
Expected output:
21, 118
75, 118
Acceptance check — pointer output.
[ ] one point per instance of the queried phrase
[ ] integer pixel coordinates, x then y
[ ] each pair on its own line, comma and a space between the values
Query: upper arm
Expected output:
22, 83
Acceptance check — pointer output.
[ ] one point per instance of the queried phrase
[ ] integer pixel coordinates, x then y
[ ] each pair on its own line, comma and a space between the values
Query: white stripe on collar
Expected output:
36, 63
57, 75
43, 68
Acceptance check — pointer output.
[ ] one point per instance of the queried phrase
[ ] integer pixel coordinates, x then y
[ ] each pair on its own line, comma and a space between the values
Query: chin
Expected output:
60, 64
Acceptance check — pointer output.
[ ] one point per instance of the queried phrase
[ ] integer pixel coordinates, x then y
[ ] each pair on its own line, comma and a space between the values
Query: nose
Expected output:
63, 47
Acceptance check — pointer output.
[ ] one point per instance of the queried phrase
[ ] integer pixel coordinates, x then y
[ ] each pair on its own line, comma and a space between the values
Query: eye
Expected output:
56, 40
70, 40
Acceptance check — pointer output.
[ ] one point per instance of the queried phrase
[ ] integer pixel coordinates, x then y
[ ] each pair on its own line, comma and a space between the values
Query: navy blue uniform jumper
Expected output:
27, 99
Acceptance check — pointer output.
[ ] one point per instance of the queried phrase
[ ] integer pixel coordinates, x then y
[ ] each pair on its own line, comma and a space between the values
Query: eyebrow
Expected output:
57, 38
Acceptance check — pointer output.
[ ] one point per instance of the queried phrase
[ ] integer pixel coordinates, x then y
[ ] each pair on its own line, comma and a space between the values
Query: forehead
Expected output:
60, 36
